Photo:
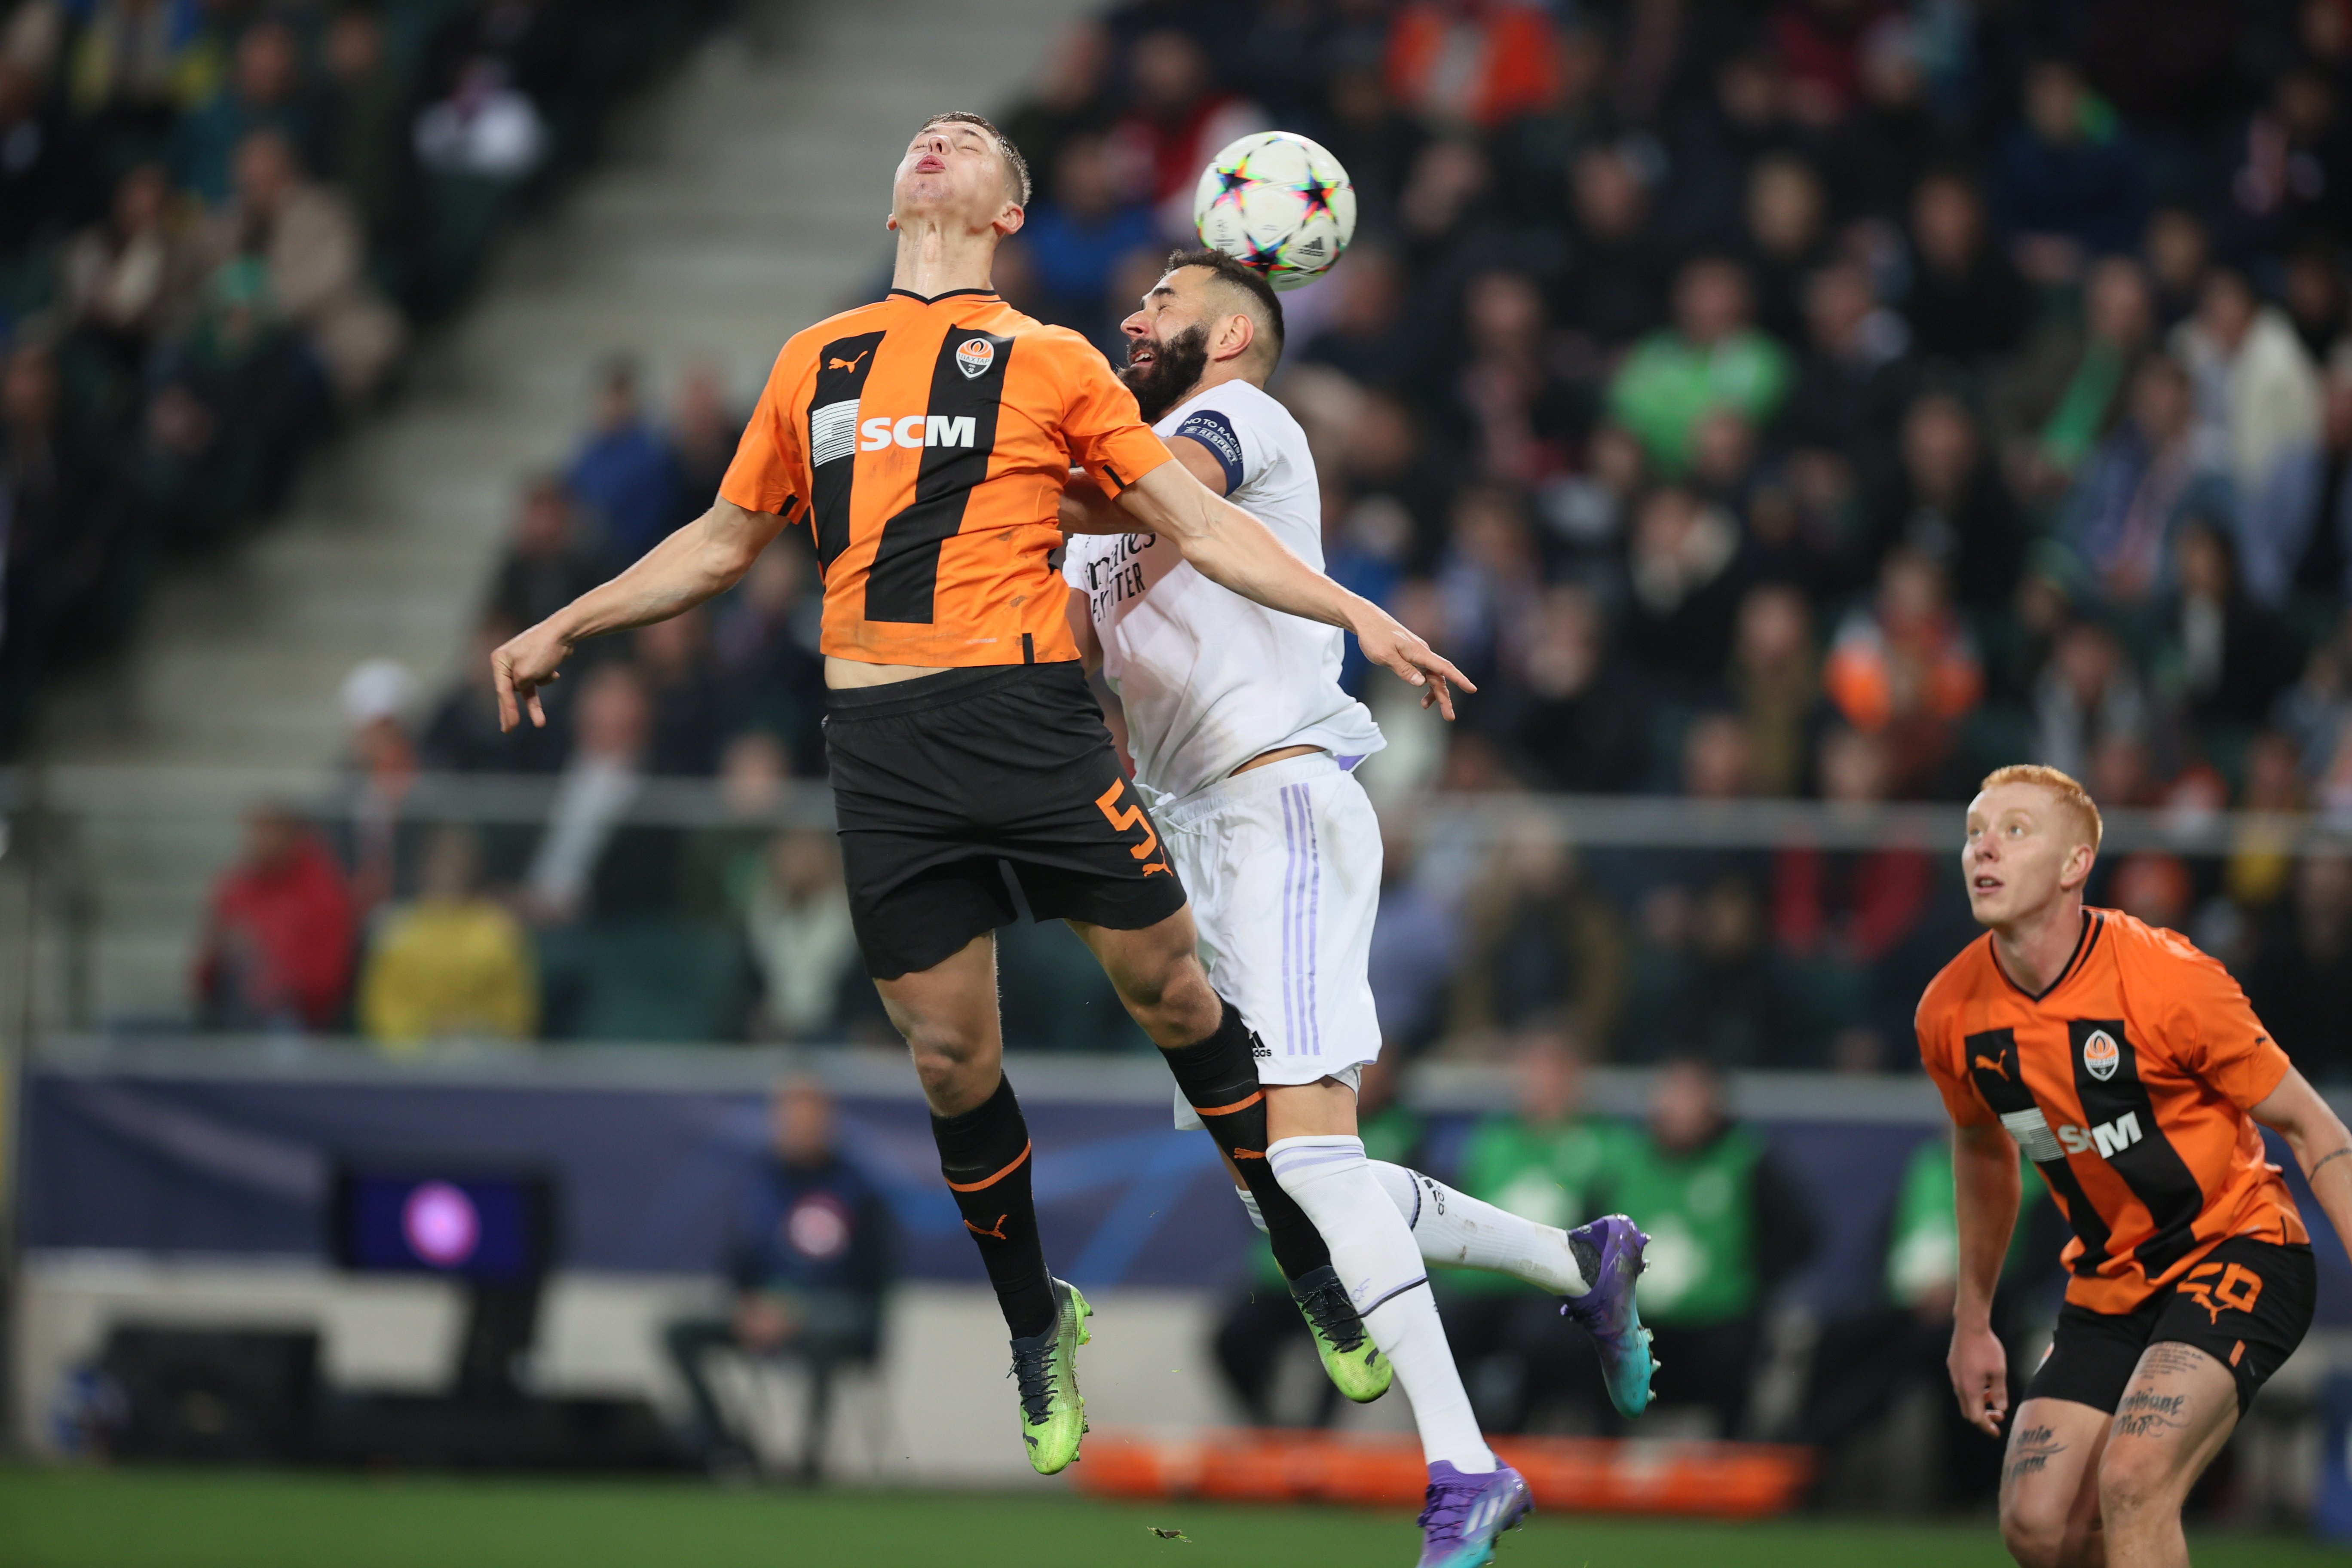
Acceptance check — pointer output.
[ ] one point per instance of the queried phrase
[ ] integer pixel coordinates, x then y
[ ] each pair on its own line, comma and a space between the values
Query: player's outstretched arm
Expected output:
2321, 1145
706, 557
1986, 1190
1228, 546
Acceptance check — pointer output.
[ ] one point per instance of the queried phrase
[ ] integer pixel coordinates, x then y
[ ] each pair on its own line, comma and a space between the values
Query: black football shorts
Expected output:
939, 780
2247, 1304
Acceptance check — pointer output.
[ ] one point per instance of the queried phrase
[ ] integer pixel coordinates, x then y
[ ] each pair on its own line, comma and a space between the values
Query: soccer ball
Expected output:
1280, 204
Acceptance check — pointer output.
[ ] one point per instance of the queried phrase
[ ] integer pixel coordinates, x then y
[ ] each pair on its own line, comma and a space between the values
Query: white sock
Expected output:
1457, 1231
1376, 1260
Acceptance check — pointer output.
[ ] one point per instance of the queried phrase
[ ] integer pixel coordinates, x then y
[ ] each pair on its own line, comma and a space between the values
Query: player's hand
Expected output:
1390, 642
522, 664
1980, 1369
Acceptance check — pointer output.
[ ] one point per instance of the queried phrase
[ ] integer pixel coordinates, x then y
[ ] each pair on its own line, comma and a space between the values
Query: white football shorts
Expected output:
1282, 865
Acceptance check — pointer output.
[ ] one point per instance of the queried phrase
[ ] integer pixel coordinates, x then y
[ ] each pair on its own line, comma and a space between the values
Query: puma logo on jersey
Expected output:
919, 430
1993, 1064
2109, 1138
837, 363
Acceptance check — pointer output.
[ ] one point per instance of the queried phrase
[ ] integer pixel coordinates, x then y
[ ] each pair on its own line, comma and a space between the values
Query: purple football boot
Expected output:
1610, 1252
1465, 1513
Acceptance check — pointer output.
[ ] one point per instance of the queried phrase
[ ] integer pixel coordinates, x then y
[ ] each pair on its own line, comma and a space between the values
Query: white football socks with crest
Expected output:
1458, 1231
1374, 1251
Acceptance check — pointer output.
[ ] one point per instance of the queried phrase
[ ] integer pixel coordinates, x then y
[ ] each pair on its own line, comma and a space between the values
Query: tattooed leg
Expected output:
2049, 1485
2177, 1411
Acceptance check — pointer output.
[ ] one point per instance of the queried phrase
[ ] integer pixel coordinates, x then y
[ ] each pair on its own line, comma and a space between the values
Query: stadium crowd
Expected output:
222, 223
1818, 398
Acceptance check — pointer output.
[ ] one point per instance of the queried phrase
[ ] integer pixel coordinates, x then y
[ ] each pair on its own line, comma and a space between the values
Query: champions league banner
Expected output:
644, 1175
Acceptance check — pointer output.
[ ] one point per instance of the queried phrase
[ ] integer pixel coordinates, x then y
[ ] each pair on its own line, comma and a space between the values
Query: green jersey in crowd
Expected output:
1544, 1174
1923, 1242
1725, 1224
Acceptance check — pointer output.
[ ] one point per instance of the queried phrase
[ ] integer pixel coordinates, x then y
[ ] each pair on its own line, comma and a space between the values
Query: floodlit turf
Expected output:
149, 1519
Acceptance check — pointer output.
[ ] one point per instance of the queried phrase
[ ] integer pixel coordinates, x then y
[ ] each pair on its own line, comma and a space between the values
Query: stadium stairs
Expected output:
741, 200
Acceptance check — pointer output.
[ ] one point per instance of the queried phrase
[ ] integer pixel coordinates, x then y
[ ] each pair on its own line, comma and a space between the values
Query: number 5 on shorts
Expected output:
1133, 817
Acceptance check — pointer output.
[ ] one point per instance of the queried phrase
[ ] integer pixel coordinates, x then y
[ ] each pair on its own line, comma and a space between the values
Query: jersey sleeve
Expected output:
2215, 1033
1104, 429
763, 475
1240, 448
1962, 1103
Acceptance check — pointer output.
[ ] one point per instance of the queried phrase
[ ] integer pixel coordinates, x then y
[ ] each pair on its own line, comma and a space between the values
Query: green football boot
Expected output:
1053, 1412
1354, 1364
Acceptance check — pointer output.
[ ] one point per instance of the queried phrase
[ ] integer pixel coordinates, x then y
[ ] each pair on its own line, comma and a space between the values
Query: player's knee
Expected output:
2135, 1478
2035, 1536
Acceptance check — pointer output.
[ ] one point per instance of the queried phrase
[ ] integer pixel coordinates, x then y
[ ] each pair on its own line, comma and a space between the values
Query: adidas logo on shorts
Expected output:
1257, 1047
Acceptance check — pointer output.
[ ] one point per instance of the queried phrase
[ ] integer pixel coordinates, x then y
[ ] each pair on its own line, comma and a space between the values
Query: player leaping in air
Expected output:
926, 439
2129, 1068
1243, 742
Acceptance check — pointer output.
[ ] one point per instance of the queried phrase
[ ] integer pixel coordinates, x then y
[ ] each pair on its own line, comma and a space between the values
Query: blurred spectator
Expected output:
462, 735
1701, 979
1843, 917
1522, 417
673, 656
2087, 694
1367, 337
1776, 683
764, 645
2178, 250
702, 437
1947, 504
1907, 668
1541, 1160
1415, 940
2230, 658
796, 918
1578, 719
2261, 855
1543, 943
1968, 302
276, 947
1178, 117
2071, 182
452, 964
362, 141
624, 471
316, 255
262, 94
1488, 578
1853, 377
2058, 401
548, 563
2294, 535
1473, 62
67, 529
1085, 225
1712, 358
600, 782
1726, 1225
1614, 290
1788, 215
381, 763
809, 1256
2258, 394
2154, 887
485, 127
1685, 585
128, 279
2149, 476
2300, 981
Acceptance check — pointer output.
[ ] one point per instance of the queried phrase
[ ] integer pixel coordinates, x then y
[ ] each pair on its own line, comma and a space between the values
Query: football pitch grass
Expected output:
191, 1519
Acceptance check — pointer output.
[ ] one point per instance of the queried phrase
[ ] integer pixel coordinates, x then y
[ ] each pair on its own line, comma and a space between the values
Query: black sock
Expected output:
1219, 1078
984, 1155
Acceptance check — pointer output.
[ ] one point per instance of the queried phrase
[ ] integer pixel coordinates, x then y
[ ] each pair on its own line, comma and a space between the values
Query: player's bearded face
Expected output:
1159, 370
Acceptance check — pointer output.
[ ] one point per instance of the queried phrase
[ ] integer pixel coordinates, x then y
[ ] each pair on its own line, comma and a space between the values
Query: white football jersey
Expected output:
1209, 679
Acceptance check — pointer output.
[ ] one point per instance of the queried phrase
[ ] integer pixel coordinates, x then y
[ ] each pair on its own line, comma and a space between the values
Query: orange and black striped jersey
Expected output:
2127, 1084
928, 441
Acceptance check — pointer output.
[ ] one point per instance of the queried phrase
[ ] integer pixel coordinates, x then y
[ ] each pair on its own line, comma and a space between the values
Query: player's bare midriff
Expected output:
1279, 755
841, 672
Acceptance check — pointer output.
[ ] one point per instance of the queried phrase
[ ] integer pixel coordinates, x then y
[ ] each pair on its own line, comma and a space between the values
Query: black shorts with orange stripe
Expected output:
2247, 1304
942, 783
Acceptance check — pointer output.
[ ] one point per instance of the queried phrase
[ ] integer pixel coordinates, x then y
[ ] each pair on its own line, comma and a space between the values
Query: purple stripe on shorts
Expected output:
1314, 915
1289, 896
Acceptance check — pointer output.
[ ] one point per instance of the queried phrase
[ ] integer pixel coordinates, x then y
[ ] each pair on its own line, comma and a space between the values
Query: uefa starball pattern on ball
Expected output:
1278, 202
